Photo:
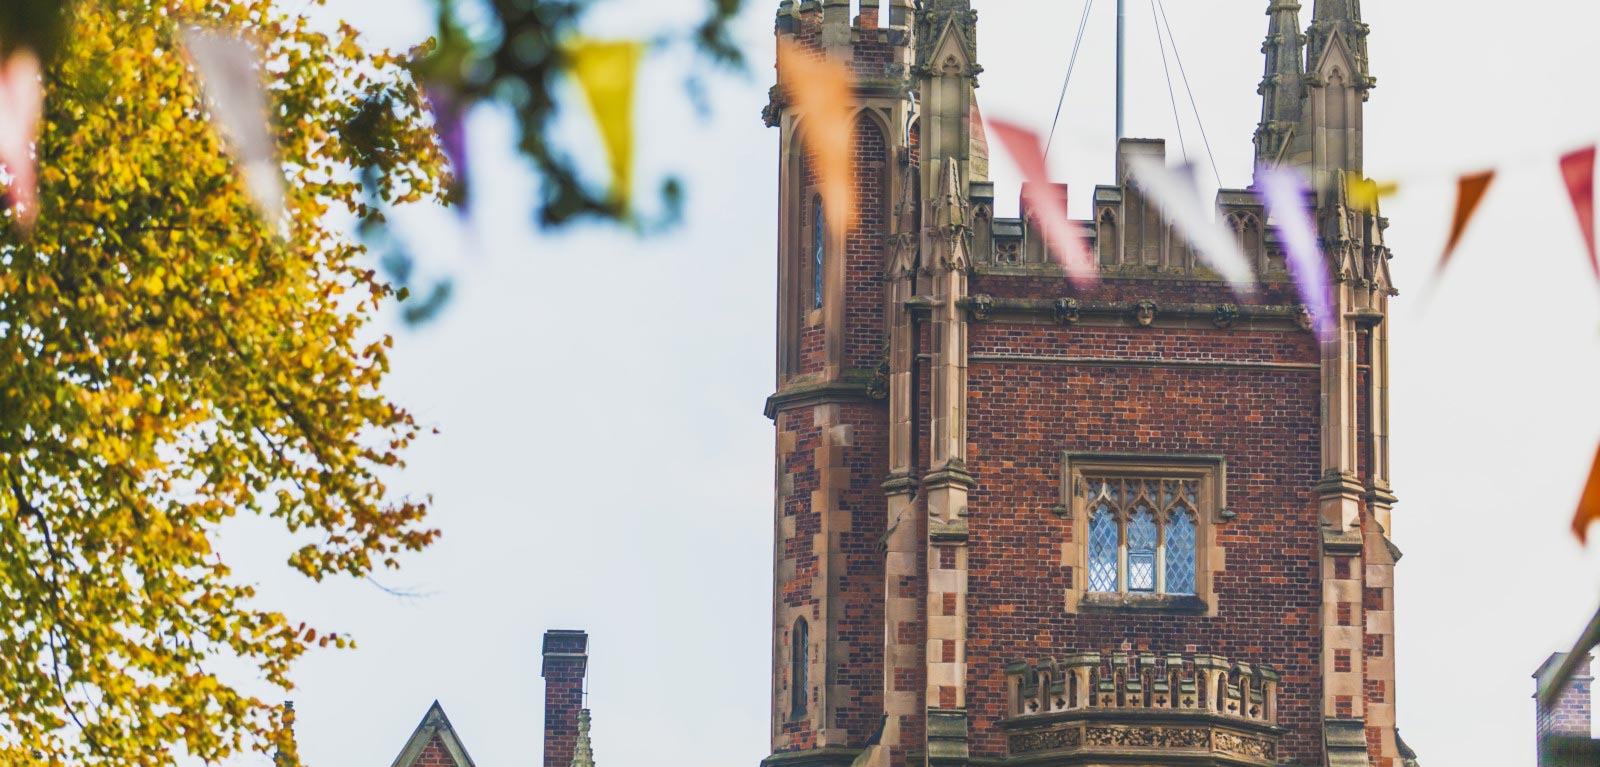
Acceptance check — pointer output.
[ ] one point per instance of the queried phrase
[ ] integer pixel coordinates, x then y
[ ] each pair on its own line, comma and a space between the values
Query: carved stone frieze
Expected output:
1256, 748
1045, 740
1148, 737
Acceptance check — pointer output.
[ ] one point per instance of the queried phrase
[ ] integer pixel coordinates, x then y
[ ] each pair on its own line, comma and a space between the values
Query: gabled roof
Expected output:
434, 736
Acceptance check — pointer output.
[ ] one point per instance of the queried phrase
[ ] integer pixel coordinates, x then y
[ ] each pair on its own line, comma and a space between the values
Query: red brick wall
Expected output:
1265, 421
859, 631
864, 250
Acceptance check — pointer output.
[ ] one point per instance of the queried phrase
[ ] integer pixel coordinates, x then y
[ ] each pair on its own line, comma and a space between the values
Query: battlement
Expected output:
1146, 682
1128, 234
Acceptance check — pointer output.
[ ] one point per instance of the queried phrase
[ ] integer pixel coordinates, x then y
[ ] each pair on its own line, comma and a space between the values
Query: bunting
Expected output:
228, 66
1177, 192
1285, 192
1577, 170
820, 89
607, 71
21, 102
1588, 503
1470, 190
1061, 235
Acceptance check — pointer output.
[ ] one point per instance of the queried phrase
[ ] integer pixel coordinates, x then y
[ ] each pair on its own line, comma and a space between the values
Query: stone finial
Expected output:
583, 752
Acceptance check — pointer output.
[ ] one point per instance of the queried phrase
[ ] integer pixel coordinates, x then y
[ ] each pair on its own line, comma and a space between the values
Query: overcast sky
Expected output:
604, 463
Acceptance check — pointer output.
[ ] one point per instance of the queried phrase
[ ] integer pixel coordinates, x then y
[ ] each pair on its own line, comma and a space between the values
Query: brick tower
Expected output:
1016, 522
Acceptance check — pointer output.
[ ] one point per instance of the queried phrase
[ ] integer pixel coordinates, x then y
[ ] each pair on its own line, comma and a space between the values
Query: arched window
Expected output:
1142, 550
1144, 533
799, 655
1103, 541
1180, 552
818, 246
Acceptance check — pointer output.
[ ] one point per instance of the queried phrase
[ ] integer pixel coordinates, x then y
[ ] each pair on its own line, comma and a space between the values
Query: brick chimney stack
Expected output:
1570, 717
566, 660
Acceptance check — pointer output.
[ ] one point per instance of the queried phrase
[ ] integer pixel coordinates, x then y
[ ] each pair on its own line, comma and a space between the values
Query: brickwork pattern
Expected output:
436, 755
563, 697
864, 250
1265, 421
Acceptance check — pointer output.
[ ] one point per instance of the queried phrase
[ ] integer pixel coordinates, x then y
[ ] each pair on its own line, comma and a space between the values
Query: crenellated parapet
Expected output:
1089, 707
1145, 682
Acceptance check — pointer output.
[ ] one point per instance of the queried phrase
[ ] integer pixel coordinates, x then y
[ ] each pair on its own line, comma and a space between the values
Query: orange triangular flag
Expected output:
1577, 169
1589, 504
820, 89
1469, 193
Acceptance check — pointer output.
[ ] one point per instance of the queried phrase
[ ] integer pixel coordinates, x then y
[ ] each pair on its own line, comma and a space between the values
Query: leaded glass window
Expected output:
818, 246
1143, 534
1103, 550
1180, 552
1142, 550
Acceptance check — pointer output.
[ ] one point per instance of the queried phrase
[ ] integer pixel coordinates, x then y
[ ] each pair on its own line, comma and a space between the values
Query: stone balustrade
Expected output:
1145, 681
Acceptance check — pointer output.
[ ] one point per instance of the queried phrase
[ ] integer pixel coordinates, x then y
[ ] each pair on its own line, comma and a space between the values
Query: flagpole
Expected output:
1122, 63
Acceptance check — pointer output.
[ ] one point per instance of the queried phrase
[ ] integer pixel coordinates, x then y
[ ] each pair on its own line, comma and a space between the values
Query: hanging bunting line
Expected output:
1062, 237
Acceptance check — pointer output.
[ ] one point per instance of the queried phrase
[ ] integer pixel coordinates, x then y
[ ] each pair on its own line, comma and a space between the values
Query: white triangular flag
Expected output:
1176, 191
229, 73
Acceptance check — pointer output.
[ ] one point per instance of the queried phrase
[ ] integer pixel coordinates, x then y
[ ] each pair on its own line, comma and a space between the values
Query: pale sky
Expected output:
604, 463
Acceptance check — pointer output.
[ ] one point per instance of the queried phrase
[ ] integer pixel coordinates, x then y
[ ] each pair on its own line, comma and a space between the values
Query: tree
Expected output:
168, 361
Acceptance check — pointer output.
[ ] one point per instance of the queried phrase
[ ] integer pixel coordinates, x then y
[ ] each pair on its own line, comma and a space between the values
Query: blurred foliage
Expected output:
168, 361
518, 63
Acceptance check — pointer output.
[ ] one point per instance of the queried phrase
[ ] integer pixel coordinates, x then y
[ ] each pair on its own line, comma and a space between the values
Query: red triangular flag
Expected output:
1589, 504
1577, 169
1469, 193
1061, 236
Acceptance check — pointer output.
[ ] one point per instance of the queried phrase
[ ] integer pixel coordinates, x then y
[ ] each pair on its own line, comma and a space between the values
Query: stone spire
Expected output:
1340, 20
1281, 104
583, 753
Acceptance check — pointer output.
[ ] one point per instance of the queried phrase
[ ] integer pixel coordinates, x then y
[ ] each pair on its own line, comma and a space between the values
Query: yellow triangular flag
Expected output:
607, 70
820, 88
1364, 193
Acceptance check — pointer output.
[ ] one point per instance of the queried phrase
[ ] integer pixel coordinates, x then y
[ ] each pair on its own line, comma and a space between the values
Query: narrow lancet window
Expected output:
1103, 549
1142, 550
1180, 552
818, 246
799, 655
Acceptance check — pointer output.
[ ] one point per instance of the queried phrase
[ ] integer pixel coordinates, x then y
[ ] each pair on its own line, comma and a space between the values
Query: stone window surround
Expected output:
1210, 470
